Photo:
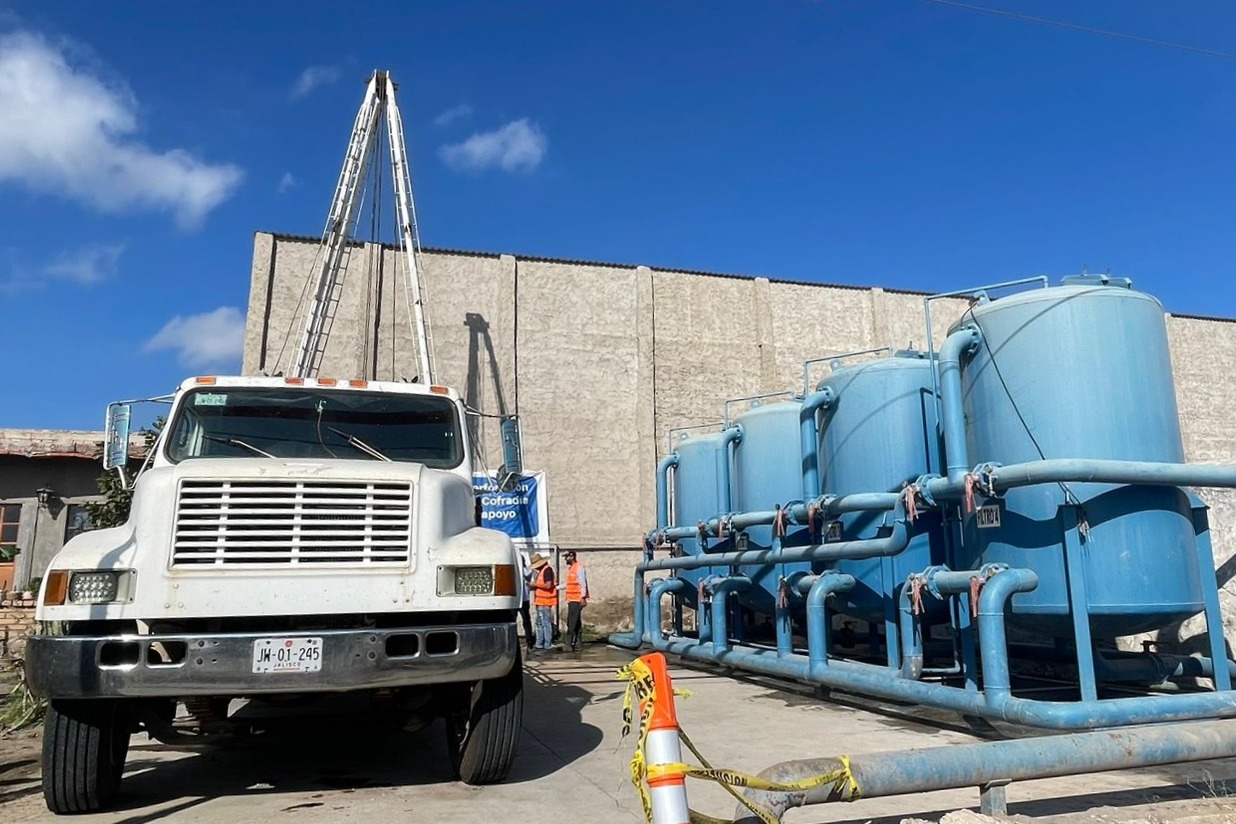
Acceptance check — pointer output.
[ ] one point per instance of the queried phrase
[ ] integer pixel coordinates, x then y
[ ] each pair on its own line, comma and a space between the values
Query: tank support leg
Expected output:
892, 630
1075, 574
1210, 597
963, 609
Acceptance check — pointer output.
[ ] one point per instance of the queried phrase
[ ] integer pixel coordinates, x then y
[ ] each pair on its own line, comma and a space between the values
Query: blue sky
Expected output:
880, 142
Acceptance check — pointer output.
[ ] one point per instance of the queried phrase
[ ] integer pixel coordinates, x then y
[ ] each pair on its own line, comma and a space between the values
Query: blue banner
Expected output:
518, 512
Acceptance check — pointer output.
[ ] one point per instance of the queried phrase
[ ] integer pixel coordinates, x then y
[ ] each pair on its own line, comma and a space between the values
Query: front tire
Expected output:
85, 744
483, 735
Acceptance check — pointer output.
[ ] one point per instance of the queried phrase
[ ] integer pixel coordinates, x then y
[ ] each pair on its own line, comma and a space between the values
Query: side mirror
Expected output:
116, 436
512, 454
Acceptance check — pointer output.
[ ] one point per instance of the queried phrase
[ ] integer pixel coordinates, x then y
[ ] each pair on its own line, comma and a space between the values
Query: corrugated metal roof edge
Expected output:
892, 290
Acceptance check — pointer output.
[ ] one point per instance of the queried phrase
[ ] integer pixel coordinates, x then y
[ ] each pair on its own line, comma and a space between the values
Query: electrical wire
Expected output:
1061, 24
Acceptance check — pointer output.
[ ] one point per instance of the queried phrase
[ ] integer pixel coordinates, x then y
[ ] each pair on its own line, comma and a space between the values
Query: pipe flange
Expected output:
929, 577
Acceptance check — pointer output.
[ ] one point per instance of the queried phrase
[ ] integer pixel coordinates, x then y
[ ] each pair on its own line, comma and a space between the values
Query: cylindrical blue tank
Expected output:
1082, 371
699, 495
879, 434
767, 474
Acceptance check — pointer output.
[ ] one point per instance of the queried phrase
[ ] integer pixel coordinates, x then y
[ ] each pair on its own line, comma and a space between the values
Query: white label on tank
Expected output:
834, 532
988, 517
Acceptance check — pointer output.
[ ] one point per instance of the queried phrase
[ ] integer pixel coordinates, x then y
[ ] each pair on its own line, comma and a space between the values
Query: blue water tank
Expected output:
878, 435
1082, 370
699, 495
767, 473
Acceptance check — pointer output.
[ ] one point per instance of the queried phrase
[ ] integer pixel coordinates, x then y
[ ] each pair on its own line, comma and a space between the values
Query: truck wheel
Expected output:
482, 737
85, 744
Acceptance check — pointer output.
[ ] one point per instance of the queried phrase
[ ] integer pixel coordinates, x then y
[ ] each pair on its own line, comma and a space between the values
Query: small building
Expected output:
46, 478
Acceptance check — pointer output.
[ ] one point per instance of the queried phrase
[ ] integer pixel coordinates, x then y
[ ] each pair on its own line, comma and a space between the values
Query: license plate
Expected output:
287, 655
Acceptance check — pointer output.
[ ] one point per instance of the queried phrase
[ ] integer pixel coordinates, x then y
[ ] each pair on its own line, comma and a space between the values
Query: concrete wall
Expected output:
602, 361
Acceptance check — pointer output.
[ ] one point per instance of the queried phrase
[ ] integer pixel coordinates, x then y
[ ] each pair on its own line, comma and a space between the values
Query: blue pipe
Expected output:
940, 582
994, 702
1112, 472
656, 635
829, 506
884, 774
810, 438
821, 586
731, 435
634, 638
997, 479
663, 468
721, 587
893, 543
958, 345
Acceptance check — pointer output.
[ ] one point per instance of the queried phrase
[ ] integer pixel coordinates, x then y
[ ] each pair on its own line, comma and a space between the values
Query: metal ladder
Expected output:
336, 245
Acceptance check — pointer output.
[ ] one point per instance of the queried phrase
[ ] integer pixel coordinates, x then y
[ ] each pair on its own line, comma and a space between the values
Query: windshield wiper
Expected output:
357, 443
238, 442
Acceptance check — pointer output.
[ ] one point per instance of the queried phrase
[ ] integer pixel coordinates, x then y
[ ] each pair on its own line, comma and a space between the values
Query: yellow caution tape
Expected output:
641, 689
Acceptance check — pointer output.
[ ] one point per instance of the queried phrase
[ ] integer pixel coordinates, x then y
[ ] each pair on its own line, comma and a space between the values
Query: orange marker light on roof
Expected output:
358, 384
439, 390
294, 381
204, 381
327, 381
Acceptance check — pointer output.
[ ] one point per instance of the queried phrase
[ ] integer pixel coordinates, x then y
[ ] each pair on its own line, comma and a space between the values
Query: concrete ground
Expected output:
573, 767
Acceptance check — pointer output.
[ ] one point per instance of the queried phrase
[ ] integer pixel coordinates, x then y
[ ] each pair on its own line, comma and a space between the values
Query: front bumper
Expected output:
219, 664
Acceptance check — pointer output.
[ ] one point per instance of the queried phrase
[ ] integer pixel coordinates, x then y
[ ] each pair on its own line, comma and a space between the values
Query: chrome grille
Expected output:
292, 522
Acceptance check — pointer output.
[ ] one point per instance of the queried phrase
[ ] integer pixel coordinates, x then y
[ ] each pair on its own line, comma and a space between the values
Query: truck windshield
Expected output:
224, 422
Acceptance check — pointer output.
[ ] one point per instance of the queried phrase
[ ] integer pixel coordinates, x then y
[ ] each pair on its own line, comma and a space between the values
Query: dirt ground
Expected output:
573, 767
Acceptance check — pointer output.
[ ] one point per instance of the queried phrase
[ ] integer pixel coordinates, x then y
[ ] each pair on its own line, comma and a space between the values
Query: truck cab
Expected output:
287, 537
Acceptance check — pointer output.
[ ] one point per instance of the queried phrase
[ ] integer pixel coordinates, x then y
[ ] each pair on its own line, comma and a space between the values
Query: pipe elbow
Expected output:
962, 342
1002, 586
820, 399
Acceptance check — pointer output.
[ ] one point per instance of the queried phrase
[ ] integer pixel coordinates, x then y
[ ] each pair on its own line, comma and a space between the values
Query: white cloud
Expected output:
286, 183
87, 265
518, 146
65, 131
313, 77
452, 114
210, 339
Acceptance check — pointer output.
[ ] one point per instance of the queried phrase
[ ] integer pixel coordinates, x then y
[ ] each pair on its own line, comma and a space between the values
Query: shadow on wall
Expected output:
478, 336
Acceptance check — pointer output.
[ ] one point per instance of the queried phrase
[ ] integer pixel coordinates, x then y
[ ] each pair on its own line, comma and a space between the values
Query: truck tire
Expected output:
483, 736
85, 744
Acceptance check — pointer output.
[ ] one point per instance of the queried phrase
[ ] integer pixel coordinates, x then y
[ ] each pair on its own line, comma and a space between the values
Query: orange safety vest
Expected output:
544, 594
574, 592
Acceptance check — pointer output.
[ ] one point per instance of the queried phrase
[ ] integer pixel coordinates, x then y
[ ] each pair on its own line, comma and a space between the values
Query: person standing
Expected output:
525, 605
544, 598
576, 588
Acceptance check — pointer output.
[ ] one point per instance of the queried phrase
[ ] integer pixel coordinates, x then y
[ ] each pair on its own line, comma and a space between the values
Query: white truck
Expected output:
288, 537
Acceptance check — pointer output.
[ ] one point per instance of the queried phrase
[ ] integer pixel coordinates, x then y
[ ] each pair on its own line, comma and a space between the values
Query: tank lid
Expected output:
1096, 280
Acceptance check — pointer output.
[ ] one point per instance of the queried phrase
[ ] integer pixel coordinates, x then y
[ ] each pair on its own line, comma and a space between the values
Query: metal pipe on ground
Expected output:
972, 765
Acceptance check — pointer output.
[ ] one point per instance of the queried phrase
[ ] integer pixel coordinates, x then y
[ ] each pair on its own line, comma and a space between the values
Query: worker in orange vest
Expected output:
544, 598
576, 588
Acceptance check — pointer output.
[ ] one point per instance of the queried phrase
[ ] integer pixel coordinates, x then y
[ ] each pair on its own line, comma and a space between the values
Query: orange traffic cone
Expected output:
668, 791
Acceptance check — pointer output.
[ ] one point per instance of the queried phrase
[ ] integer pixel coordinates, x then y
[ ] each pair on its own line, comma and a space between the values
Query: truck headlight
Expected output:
90, 586
474, 580
94, 587
497, 579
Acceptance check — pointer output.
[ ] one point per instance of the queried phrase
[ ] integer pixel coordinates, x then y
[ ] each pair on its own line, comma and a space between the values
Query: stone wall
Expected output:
16, 624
